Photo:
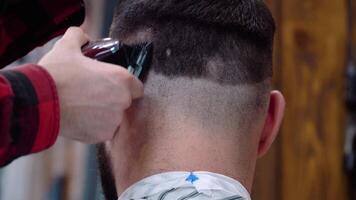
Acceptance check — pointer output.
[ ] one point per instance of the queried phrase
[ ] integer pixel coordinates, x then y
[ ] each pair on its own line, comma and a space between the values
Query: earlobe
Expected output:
273, 122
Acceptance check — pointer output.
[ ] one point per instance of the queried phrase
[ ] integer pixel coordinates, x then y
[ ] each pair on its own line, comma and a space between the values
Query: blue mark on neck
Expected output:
192, 178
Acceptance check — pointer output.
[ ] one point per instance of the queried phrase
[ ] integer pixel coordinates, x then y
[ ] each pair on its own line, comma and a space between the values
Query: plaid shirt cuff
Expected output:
34, 124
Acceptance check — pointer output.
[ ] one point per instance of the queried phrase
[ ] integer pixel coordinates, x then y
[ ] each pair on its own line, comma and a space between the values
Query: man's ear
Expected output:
273, 122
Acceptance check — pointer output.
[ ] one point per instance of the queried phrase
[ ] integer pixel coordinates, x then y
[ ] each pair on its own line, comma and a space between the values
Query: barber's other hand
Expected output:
93, 95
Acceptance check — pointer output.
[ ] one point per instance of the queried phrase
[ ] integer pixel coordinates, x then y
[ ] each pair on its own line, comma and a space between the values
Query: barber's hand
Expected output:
93, 95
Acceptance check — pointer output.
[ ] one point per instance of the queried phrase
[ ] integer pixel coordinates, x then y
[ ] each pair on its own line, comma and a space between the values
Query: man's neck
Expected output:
137, 155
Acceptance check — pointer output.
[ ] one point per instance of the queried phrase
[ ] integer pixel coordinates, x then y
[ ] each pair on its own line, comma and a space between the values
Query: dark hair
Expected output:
237, 35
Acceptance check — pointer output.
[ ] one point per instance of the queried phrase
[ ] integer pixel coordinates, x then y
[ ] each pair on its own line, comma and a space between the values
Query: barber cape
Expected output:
186, 185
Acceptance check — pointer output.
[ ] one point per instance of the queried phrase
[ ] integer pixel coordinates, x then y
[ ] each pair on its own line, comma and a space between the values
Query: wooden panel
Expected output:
353, 187
313, 58
267, 180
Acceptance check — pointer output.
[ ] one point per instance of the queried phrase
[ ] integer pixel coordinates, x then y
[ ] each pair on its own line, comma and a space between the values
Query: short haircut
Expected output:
225, 43
187, 34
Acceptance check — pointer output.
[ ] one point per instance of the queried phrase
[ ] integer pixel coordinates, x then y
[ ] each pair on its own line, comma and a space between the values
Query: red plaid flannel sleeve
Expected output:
26, 24
29, 112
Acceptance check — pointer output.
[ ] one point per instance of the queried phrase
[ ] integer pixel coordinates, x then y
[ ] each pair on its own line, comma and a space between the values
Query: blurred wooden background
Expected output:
310, 58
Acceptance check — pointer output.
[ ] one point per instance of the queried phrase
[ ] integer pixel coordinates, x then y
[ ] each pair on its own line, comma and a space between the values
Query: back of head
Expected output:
209, 82
212, 59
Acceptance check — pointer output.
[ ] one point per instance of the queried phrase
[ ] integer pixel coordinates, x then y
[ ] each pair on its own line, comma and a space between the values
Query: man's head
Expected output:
208, 91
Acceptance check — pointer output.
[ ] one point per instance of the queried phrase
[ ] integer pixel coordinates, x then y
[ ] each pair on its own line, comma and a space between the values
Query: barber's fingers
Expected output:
132, 84
76, 35
74, 38
129, 81
135, 86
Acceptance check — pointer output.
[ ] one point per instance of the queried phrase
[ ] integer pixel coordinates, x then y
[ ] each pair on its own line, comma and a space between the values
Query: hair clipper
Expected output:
136, 59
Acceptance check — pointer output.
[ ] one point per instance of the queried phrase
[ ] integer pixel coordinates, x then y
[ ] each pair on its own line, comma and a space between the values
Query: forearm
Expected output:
29, 116
26, 24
